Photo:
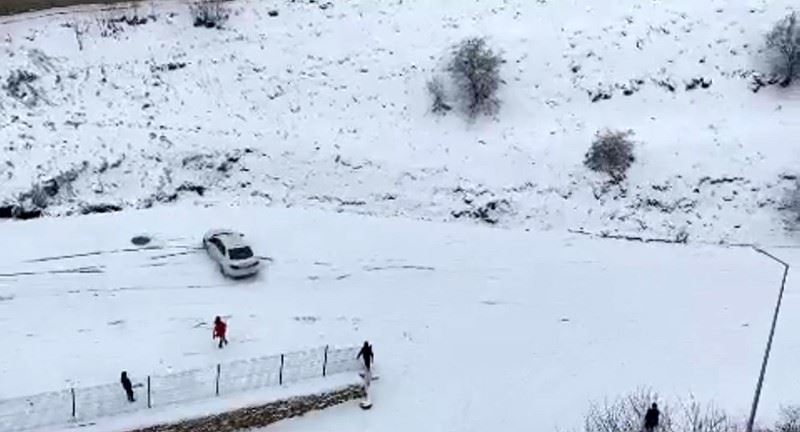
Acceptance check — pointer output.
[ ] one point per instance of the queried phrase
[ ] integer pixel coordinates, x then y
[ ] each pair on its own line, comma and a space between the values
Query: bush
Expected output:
438, 103
475, 69
611, 153
698, 418
789, 420
209, 13
19, 85
627, 413
783, 43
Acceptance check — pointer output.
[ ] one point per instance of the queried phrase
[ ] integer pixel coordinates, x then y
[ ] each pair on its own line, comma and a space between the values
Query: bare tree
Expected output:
438, 103
475, 69
79, 28
611, 153
699, 418
626, 414
783, 42
209, 13
789, 420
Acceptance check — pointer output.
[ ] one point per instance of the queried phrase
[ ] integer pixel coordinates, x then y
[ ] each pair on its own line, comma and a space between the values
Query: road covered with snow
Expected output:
472, 327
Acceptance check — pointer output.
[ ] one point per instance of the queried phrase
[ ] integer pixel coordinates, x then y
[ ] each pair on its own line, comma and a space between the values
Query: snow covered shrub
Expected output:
19, 85
475, 69
783, 44
209, 13
436, 89
111, 25
791, 207
611, 153
789, 420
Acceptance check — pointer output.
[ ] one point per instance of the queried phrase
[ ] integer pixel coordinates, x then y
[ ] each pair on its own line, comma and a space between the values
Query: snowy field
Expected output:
324, 106
472, 327
311, 131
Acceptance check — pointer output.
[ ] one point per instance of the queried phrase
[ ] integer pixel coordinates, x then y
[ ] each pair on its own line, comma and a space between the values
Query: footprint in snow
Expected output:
116, 322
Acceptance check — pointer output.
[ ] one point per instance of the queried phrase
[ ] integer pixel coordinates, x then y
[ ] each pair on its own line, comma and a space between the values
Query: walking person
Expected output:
220, 329
127, 386
651, 418
367, 356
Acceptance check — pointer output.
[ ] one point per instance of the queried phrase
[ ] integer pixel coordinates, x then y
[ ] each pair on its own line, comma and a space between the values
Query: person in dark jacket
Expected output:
367, 355
651, 418
220, 329
126, 384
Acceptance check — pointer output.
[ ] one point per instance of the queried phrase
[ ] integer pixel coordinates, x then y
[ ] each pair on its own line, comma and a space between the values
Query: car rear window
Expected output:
241, 253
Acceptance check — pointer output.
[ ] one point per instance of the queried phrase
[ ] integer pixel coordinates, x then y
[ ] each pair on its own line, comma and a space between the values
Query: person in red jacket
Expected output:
220, 328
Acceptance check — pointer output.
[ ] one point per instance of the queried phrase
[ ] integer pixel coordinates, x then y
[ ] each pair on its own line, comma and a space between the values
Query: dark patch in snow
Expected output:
488, 213
6, 211
701, 82
140, 240
26, 214
191, 187
168, 67
666, 84
599, 95
99, 208
721, 180
759, 81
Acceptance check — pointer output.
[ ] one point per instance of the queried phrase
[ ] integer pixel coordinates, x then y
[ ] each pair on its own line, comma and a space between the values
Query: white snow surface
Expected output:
325, 106
323, 109
473, 327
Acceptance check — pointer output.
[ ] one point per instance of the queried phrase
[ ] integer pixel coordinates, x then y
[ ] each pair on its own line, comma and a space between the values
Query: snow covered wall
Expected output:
324, 105
85, 405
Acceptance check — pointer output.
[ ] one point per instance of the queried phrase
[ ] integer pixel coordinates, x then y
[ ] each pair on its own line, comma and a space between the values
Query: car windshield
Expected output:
241, 253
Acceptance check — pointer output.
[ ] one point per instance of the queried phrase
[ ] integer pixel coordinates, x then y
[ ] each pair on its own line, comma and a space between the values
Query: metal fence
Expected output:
80, 405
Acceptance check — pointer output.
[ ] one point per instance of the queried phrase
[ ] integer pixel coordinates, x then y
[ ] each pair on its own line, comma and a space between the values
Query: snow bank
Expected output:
324, 106
460, 317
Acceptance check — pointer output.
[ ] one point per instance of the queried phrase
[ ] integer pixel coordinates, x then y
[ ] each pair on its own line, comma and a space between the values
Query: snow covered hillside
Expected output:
461, 318
324, 106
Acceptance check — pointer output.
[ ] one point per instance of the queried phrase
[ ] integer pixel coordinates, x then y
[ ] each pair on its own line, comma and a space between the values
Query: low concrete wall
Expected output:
260, 416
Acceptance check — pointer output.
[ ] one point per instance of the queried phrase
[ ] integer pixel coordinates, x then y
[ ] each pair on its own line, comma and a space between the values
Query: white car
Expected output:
231, 252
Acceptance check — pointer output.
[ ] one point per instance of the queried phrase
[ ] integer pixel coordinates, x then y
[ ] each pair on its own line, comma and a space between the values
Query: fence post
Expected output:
149, 402
72, 391
280, 374
325, 363
219, 368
